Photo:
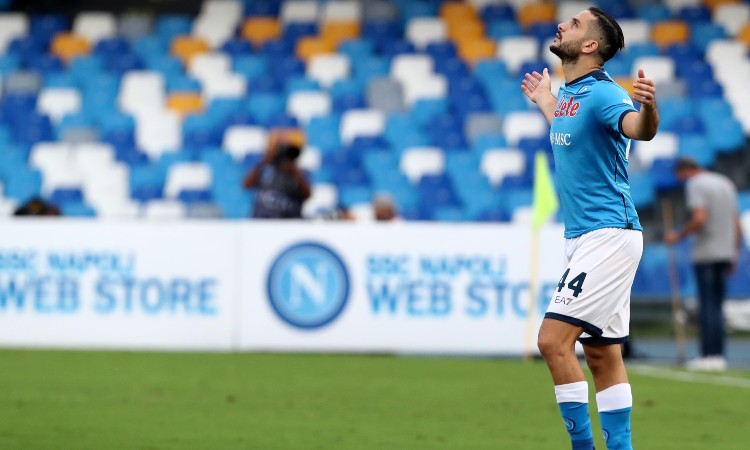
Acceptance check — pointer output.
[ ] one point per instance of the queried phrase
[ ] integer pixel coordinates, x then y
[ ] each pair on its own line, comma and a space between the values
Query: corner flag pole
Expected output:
545, 205
678, 314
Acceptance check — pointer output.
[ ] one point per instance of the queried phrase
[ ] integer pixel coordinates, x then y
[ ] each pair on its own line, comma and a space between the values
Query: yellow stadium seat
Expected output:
457, 11
468, 29
670, 32
714, 3
626, 83
533, 13
185, 103
474, 50
67, 46
309, 46
288, 135
258, 30
337, 32
185, 47
744, 35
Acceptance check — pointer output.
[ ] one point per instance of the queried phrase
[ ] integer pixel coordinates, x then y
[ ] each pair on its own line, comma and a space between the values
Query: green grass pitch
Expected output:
120, 400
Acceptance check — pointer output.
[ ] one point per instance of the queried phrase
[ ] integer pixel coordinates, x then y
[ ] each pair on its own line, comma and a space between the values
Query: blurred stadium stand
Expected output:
155, 109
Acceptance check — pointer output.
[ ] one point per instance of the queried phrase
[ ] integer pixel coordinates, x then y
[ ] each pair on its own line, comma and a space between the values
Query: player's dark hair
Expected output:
612, 39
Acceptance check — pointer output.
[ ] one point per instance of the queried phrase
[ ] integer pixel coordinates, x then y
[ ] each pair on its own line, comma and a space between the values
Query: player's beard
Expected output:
568, 52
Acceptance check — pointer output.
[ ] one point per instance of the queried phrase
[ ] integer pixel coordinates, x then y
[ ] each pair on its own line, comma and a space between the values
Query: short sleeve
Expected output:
695, 194
612, 104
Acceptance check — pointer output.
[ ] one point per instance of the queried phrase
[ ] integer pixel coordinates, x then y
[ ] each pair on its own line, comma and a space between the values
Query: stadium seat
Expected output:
158, 132
430, 87
361, 122
304, 105
95, 26
500, 163
664, 145
12, 25
339, 31
259, 30
658, 68
322, 202
409, 69
518, 125
669, 33
164, 210
532, 13
299, 11
132, 26
207, 65
240, 140
417, 162
385, 94
327, 69
423, 31
58, 102
228, 85
516, 50
142, 92
187, 176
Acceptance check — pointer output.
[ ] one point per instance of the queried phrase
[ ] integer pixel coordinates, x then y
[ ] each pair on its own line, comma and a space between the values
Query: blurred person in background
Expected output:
714, 222
282, 187
383, 208
37, 207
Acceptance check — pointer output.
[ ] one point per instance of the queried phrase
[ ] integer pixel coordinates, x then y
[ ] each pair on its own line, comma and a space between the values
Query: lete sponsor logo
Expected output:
567, 107
308, 285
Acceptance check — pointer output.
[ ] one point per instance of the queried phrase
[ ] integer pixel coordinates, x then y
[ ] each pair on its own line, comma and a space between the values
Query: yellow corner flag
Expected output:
545, 197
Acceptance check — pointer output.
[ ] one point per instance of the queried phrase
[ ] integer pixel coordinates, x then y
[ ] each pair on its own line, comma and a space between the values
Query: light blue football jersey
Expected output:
591, 155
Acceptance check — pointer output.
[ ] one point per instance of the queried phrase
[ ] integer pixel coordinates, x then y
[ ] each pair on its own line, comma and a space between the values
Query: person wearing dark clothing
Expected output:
37, 207
282, 187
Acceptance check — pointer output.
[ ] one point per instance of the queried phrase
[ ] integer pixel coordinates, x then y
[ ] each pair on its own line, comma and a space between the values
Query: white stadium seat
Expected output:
342, 11
676, 5
207, 65
523, 124
408, 68
362, 212
158, 210
431, 87
12, 25
663, 145
61, 177
310, 159
568, 9
732, 17
44, 155
496, 164
108, 186
322, 201
92, 157
215, 30
326, 69
232, 9
58, 102
7, 207
142, 92
227, 85
725, 51
187, 175
299, 11
657, 68
745, 219
239, 140
517, 50
417, 162
635, 31
158, 132
95, 26
421, 31
304, 105
361, 122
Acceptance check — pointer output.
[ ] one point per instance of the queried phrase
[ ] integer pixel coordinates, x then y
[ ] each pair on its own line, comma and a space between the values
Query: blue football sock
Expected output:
615, 404
616, 429
577, 422
573, 402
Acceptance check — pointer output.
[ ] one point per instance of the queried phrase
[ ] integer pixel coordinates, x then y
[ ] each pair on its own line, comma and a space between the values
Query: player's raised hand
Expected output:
536, 85
645, 92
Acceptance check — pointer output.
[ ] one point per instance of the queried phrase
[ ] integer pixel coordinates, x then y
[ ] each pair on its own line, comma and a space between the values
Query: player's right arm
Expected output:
538, 88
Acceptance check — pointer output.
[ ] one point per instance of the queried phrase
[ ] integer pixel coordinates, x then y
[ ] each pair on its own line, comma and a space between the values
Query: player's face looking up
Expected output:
575, 37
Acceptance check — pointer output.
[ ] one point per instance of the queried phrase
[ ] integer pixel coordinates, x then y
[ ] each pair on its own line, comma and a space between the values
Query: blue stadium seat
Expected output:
23, 184
346, 87
662, 172
263, 106
353, 195
9, 63
642, 190
441, 50
64, 195
424, 111
251, 66
237, 47
725, 134
494, 12
323, 133
366, 69
268, 8
77, 209
698, 147
170, 26
193, 196
502, 28
44, 27
694, 14
702, 34
654, 12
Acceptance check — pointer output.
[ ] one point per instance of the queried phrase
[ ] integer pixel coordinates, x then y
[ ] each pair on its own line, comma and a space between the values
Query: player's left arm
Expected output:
642, 125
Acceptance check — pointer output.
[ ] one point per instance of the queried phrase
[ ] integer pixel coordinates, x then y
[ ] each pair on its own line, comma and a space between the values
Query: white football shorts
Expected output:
594, 290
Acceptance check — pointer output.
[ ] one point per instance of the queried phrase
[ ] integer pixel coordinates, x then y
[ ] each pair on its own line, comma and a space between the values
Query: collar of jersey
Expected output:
598, 74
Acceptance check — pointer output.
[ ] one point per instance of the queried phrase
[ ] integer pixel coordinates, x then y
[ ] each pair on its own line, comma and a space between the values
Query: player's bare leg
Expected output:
557, 341
613, 394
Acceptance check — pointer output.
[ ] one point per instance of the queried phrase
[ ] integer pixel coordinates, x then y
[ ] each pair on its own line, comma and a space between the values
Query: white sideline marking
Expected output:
690, 377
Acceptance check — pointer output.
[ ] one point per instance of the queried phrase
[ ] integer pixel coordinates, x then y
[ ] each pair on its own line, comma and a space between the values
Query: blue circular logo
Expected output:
569, 423
308, 285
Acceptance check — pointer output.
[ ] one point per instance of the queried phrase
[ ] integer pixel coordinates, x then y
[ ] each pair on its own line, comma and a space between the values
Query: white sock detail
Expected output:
573, 392
615, 397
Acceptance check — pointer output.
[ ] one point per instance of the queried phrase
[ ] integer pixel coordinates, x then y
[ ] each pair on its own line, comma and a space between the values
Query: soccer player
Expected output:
592, 122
